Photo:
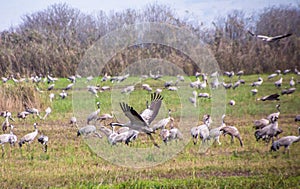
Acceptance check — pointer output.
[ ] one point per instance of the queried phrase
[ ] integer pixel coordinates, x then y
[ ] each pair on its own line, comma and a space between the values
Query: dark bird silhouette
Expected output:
270, 97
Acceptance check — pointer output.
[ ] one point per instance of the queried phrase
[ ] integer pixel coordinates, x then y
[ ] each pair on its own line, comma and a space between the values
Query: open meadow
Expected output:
71, 163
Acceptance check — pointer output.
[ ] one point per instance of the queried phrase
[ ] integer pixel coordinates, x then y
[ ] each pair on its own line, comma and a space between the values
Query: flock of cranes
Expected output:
267, 128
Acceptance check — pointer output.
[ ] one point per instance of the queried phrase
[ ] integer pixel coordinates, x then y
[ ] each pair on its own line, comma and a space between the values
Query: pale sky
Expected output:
204, 10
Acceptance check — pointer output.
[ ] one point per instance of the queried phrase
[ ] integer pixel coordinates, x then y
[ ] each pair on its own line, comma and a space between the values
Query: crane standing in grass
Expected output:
29, 138
8, 138
94, 115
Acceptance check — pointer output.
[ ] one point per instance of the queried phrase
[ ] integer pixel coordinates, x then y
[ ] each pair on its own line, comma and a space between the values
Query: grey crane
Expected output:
106, 116
33, 111
146, 87
215, 133
270, 131
87, 130
43, 139
51, 96
292, 82
119, 137
193, 99
231, 102
141, 122
278, 83
63, 94
175, 133
269, 38
201, 130
22, 115
254, 91
232, 131
72, 78
261, 123
128, 89
286, 71
270, 116
93, 89
271, 76
270, 97
50, 87
288, 91
161, 124
69, 86
8, 138
73, 121
258, 82
94, 115
203, 95
29, 138
286, 141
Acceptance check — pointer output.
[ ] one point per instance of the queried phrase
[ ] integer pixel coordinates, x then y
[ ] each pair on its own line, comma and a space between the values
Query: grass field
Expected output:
71, 163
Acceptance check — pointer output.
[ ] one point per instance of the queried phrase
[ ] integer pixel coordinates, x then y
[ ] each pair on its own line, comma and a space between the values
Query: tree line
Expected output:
55, 40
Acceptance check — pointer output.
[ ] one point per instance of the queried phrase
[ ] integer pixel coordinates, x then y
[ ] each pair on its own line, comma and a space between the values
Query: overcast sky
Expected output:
204, 10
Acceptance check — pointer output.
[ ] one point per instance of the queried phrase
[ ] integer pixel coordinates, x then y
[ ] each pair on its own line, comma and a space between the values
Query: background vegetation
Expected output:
55, 39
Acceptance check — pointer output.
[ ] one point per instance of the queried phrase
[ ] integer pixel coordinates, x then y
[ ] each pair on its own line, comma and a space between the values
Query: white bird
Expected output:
23, 115
48, 111
270, 38
29, 138
94, 115
44, 141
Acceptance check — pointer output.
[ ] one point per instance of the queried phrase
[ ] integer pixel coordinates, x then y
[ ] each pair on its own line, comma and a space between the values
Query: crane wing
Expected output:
281, 36
151, 112
133, 116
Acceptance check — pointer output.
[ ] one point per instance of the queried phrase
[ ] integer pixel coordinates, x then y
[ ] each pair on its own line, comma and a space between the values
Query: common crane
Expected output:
286, 141
269, 38
141, 122
270, 97
89, 129
94, 115
8, 138
215, 133
43, 139
29, 138
232, 131
268, 132
162, 123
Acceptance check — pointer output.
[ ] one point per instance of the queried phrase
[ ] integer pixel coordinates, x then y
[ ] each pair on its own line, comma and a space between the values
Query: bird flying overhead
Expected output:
270, 38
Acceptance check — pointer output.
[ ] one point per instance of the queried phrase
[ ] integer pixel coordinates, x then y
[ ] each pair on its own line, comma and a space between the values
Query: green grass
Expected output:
71, 163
